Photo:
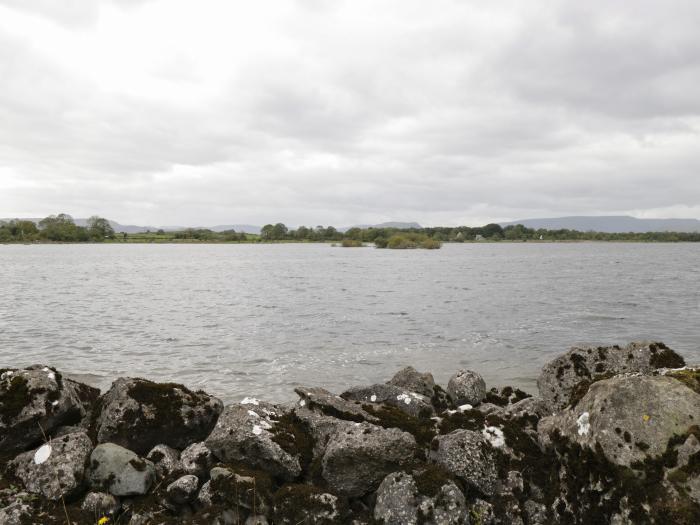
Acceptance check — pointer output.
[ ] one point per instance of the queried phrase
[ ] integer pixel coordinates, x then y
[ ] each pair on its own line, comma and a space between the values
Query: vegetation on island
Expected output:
62, 228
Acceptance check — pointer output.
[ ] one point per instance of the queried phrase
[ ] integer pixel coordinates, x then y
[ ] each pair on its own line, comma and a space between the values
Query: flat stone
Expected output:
120, 471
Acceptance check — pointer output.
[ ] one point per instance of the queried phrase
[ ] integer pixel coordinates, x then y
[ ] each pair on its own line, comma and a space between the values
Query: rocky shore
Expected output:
612, 437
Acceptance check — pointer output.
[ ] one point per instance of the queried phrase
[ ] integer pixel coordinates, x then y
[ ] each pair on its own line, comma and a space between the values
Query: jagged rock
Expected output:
320, 427
481, 513
565, 379
358, 458
139, 414
165, 459
536, 513
630, 418
467, 455
183, 490
56, 469
327, 403
37, 398
294, 504
466, 386
410, 402
17, 513
100, 504
230, 488
197, 459
245, 433
402, 501
528, 407
119, 471
410, 379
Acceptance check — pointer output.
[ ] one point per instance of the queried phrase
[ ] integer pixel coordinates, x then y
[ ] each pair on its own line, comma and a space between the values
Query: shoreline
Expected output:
405, 451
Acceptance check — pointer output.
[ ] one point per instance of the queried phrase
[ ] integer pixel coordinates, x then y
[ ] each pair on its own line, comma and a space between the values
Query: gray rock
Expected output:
17, 513
358, 458
412, 403
410, 379
258, 519
119, 471
466, 386
536, 513
229, 489
100, 504
139, 414
481, 513
165, 459
467, 455
630, 417
56, 469
37, 398
320, 427
183, 490
325, 402
197, 459
563, 379
303, 503
244, 433
531, 406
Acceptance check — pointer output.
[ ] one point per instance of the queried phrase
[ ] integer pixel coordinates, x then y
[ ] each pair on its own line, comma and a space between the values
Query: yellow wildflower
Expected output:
103, 520
646, 418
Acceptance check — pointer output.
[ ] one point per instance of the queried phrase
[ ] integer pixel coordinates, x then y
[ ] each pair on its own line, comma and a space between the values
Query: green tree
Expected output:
99, 229
59, 228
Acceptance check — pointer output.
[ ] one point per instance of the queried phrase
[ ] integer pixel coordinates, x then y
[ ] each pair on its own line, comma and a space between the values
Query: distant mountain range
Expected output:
611, 224
397, 225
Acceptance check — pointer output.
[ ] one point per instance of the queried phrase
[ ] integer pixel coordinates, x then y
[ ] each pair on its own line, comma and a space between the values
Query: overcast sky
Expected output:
354, 111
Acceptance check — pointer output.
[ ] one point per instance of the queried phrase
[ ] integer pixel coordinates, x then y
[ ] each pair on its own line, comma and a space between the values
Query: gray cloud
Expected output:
345, 112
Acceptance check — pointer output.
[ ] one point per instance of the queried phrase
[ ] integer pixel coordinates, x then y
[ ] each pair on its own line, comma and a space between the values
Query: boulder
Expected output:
420, 497
410, 379
358, 457
197, 459
119, 471
628, 418
246, 434
56, 469
466, 386
139, 414
412, 403
100, 504
565, 379
294, 504
183, 490
165, 459
329, 404
320, 427
469, 456
17, 513
37, 398
234, 488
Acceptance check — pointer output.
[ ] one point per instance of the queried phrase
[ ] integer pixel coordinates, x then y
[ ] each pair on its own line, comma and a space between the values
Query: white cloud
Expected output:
342, 112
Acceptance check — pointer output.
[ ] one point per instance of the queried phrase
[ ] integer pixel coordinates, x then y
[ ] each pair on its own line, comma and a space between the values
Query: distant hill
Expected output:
398, 225
611, 224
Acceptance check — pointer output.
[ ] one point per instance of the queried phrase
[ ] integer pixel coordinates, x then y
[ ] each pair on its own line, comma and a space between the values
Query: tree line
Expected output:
62, 228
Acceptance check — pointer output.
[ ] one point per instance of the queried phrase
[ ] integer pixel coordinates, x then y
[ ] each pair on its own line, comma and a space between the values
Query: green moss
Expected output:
441, 400
581, 388
690, 378
431, 479
250, 488
508, 395
422, 429
15, 398
469, 420
332, 411
663, 357
293, 436
301, 503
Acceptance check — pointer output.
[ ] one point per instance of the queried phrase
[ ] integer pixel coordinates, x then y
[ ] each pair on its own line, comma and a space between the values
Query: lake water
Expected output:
239, 320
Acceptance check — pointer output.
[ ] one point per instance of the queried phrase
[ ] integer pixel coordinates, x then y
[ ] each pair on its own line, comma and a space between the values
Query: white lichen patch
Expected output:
464, 407
257, 430
250, 401
6, 375
405, 398
373, 399
265, 424
494, 435
584, 424
253, 414
54, 403
42, 454
302, 403
51, 376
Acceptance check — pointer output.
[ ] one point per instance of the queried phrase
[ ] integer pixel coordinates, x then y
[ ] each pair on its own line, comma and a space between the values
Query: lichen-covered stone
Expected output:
630, 418
100, 504
57, 469
119, 471
467, 455
139, 414
301, 503
410, 379
183, 490
165, 459
244, 433
17, 513
358, 458
39, 398
564, 380
329, 404
197, 459
412, 403
466, 386
237, 487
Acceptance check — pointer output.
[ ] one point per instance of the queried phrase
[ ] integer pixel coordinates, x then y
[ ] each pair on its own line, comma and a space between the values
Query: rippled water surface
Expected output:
241, 320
